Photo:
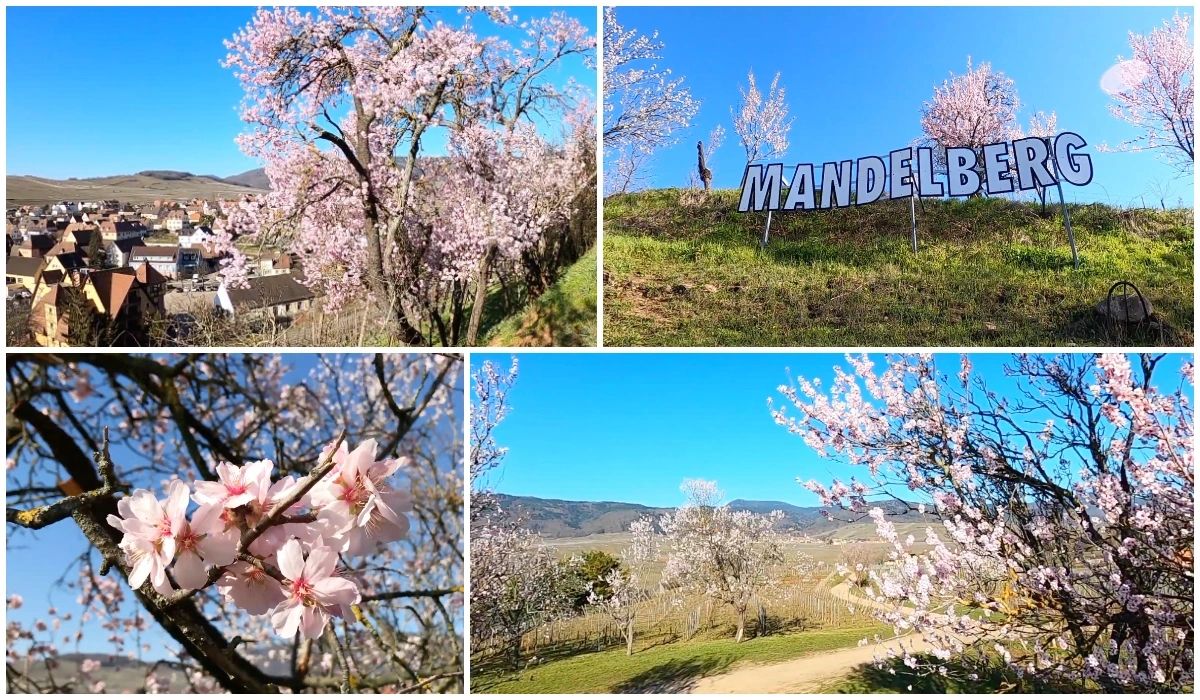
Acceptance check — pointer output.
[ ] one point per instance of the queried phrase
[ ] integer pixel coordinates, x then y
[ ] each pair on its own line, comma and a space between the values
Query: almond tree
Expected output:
1157, 94
970, 110
625, 584
733, 557
643, 105
341, 104
255, 512
762, 123
517, 583
1067, 509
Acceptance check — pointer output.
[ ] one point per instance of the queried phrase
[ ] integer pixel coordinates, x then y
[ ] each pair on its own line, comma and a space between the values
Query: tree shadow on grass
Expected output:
992, 677
676, 676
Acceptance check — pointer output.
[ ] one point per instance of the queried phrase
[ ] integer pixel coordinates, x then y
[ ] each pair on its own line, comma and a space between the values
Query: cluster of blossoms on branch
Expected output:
1155, 91
271, 547
1066, 511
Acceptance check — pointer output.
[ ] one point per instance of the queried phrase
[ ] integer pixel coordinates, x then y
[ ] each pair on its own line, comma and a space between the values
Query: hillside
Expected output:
558, 518
682, 269
564, 315
256, 178
139, 188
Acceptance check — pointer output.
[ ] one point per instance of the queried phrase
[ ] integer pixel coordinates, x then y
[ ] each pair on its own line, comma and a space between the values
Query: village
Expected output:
114, 273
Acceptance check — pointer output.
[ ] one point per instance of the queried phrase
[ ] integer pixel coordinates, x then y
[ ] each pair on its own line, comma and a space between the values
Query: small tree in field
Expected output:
517, 584
622, 588
1156, 93
1067, 504
762, 123
730, 556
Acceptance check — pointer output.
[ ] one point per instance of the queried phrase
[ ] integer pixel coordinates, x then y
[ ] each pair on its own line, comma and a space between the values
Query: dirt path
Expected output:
806, 674
810, 673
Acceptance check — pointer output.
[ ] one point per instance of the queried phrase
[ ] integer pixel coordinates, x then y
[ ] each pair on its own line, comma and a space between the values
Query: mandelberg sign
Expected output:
1024, 164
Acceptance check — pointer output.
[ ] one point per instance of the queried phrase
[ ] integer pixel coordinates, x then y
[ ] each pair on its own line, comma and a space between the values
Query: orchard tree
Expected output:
732, 557
1154, 91
589, 571
622, 589
342, 104
970, 110
287, 527
643, 104
1067, 508
762, 123
1045, 127
517, 583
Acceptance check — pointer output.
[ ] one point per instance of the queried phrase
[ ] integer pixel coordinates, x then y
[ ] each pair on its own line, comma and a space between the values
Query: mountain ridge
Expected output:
141, 187
554, 518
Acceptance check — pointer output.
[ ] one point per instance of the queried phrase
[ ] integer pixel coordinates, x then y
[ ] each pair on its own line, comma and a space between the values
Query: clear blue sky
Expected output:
94, 91
856, 78
631, 426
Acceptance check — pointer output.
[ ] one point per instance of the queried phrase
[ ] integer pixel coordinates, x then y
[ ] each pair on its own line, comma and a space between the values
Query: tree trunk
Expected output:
741, 627
481, 285
514, 653
705, 173
629, 637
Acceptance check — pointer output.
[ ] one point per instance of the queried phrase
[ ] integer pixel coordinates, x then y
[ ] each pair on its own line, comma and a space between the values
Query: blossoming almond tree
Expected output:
517, 583
733, 557
644, 106
624, 586
342, 104
1067, 531
970, 110
333, 565
762, 123
1155, 91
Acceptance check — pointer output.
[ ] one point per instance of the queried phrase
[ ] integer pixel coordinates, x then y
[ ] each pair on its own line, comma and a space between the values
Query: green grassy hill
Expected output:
565, 315
686, 270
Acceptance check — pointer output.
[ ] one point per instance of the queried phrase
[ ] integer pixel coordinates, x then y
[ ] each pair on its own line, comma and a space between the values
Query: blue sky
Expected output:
630, 427
36, 559
856, 78
94, 91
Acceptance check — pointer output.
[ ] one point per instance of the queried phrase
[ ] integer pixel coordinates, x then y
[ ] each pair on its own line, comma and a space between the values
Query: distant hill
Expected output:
256, 178
140, 188
557, 518
554, 518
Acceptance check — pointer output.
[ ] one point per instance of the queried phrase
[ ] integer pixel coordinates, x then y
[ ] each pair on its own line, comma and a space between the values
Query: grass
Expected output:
687, 271
663, 669
992, 677
565, 315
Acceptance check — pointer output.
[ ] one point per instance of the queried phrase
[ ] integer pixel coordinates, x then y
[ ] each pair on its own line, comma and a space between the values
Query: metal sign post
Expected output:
1063, 202
912, 212
787, 186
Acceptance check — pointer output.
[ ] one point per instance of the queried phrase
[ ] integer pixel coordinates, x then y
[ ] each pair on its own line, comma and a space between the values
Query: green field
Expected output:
683, 270
662, 669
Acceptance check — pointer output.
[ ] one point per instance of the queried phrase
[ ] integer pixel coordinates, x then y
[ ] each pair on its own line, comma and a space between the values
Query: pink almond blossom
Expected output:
313, 590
